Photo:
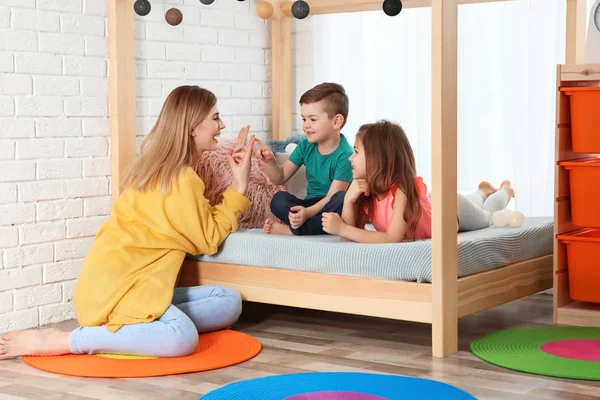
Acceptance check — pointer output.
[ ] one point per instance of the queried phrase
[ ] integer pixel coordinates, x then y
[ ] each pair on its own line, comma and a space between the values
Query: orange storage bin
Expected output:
583, 257
585, 118
584, 176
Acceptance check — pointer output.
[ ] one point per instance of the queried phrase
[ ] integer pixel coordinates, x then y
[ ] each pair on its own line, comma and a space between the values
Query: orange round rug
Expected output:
215, 350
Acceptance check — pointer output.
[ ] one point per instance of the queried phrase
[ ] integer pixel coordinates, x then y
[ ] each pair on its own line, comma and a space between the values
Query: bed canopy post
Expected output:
122, 89
575, 31
444, 39
281, 73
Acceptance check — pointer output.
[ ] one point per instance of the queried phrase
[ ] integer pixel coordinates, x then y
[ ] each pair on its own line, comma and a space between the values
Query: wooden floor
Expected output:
303, 340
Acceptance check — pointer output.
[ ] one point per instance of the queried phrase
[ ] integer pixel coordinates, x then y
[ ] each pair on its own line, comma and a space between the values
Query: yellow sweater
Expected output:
129, 273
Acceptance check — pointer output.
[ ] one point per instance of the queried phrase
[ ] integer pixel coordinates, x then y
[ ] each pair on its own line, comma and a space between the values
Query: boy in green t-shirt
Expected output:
324, 152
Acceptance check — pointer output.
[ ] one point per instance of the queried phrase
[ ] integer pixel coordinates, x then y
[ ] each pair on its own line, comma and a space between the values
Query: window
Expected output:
507, 55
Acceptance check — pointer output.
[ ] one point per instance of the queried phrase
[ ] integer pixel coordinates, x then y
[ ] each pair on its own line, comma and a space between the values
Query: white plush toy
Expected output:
290, 148
516, 219
500, 219
508, 217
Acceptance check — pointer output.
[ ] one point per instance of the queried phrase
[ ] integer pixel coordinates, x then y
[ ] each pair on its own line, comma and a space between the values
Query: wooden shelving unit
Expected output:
567, 311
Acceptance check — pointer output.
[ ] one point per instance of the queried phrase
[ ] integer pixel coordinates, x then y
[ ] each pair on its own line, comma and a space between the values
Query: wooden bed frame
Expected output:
440, 303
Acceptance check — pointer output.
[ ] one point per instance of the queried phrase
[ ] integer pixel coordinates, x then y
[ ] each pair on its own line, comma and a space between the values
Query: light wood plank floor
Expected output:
297, 340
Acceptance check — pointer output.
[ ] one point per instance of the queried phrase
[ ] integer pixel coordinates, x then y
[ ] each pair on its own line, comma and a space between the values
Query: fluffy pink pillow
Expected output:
214, 170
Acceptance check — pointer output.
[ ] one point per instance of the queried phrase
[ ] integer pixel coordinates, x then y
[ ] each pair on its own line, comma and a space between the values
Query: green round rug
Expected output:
564, 352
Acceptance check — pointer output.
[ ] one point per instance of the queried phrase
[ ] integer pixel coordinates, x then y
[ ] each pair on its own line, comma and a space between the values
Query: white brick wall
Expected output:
217, 47
54, 147
55, 131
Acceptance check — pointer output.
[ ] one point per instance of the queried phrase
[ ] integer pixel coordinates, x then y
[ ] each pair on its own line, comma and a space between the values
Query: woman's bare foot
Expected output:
43, 342
487, 188
507, 186
275, 228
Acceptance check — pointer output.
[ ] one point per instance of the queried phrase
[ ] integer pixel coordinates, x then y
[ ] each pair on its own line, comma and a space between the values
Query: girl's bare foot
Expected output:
275, 228
507, 186
487, 188
44, 342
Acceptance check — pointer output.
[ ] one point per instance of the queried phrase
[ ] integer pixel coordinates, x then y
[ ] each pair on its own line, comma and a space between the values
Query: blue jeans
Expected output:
193, 310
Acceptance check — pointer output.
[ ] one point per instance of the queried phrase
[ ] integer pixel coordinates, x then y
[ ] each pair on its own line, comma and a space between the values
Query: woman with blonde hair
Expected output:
125, 298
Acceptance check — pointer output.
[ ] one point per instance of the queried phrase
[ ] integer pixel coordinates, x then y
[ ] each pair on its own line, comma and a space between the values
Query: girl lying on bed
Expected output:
386, 191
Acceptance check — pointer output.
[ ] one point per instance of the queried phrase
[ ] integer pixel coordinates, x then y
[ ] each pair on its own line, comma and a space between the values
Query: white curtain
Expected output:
507, 57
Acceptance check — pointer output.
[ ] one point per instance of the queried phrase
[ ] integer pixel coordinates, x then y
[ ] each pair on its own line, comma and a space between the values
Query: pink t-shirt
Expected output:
383, 210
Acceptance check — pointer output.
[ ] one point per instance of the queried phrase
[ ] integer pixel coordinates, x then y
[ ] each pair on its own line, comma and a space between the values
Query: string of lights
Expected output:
300, 9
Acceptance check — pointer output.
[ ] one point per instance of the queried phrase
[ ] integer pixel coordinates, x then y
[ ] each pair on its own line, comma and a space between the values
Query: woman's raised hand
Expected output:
240, 164
240, 145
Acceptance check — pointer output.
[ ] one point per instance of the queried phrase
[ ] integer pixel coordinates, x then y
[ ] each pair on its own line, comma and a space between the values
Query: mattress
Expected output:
478, 251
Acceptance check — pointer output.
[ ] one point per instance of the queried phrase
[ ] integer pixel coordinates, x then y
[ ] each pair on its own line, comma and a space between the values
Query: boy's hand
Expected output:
357, 187
332, 223
297, 216
239, 151
263, 152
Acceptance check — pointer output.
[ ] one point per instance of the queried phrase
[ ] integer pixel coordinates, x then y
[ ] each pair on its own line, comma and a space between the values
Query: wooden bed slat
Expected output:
490, 289
408, 301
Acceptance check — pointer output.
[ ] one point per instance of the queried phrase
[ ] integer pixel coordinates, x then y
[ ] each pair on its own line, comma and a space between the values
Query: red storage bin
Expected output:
584, 176
583, 257
585, 118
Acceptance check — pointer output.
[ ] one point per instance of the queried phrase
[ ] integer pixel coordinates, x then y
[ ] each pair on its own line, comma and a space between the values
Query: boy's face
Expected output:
316, 124
358, 161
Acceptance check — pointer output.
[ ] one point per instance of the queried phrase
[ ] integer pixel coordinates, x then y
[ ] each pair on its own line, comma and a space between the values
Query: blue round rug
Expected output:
337, 386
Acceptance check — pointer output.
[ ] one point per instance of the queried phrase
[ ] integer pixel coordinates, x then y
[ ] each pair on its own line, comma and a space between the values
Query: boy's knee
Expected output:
279, 200
336, 203
280, 197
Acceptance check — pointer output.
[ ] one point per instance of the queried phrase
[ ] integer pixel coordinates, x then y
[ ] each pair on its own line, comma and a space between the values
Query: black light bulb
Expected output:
300, 9
392, 7
142, 7
207, 2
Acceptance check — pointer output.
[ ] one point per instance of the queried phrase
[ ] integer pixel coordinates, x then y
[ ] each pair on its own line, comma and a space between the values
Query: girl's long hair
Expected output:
168, 147
390, 164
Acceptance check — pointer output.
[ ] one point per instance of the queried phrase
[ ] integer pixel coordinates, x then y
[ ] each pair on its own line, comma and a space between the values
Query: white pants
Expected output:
475, 211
